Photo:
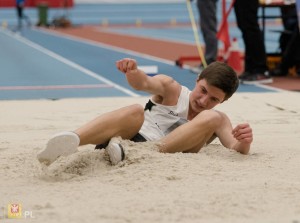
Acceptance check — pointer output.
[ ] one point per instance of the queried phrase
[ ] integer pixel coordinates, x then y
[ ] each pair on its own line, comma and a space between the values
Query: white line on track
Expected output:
270, 88
105, 46
110, 47
70, 63
122, 50
54, 87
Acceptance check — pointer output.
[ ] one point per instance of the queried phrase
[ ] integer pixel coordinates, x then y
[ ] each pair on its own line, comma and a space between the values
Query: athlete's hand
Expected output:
126, 65
243, 133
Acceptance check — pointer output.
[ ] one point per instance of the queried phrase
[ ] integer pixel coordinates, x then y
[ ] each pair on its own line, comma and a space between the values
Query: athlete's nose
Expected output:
204, 101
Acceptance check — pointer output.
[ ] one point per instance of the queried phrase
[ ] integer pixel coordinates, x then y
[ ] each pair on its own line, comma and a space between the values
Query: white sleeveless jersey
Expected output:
161, 120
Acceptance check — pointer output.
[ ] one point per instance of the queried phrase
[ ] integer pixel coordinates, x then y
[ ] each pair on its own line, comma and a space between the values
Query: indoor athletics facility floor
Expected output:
52, 63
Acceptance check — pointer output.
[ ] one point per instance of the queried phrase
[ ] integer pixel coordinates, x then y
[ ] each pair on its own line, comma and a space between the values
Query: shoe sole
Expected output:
115, 152
62, 144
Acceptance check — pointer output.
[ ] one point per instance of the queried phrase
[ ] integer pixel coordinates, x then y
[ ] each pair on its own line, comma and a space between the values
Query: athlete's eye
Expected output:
203, 90
215, 99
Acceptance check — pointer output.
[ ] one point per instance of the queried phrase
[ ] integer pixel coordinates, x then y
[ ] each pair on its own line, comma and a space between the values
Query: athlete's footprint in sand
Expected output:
84, 162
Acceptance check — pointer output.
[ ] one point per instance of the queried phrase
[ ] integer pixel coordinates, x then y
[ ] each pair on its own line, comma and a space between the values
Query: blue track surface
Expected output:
36, 64
148, 13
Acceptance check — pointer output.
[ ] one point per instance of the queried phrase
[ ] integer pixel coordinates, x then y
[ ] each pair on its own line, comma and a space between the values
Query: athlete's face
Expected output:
205, 96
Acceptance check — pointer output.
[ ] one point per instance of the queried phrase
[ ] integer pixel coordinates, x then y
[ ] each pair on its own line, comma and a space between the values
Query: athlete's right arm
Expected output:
161, 85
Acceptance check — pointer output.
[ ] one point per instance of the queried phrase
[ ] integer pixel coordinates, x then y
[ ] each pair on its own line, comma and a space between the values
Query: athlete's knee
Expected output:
137, 109
137, 112
209, 117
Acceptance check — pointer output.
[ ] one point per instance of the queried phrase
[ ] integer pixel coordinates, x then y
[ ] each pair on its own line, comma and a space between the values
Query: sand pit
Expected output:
214, 185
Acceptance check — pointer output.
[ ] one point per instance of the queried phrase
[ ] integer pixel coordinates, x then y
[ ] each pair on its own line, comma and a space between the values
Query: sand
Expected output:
214, 185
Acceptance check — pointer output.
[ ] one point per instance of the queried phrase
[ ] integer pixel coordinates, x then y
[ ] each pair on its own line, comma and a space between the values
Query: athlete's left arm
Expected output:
160, 86
239, 138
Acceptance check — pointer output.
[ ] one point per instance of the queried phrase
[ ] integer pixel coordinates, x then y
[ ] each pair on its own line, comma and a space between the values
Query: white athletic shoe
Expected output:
115, 152
61, 144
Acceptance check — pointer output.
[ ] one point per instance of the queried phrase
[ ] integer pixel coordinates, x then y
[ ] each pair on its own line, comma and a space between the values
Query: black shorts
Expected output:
137, 138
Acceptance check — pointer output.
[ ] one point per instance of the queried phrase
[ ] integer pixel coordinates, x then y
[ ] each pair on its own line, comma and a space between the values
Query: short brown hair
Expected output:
222, 76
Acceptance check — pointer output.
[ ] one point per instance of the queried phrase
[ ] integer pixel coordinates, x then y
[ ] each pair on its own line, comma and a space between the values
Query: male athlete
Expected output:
179, 119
